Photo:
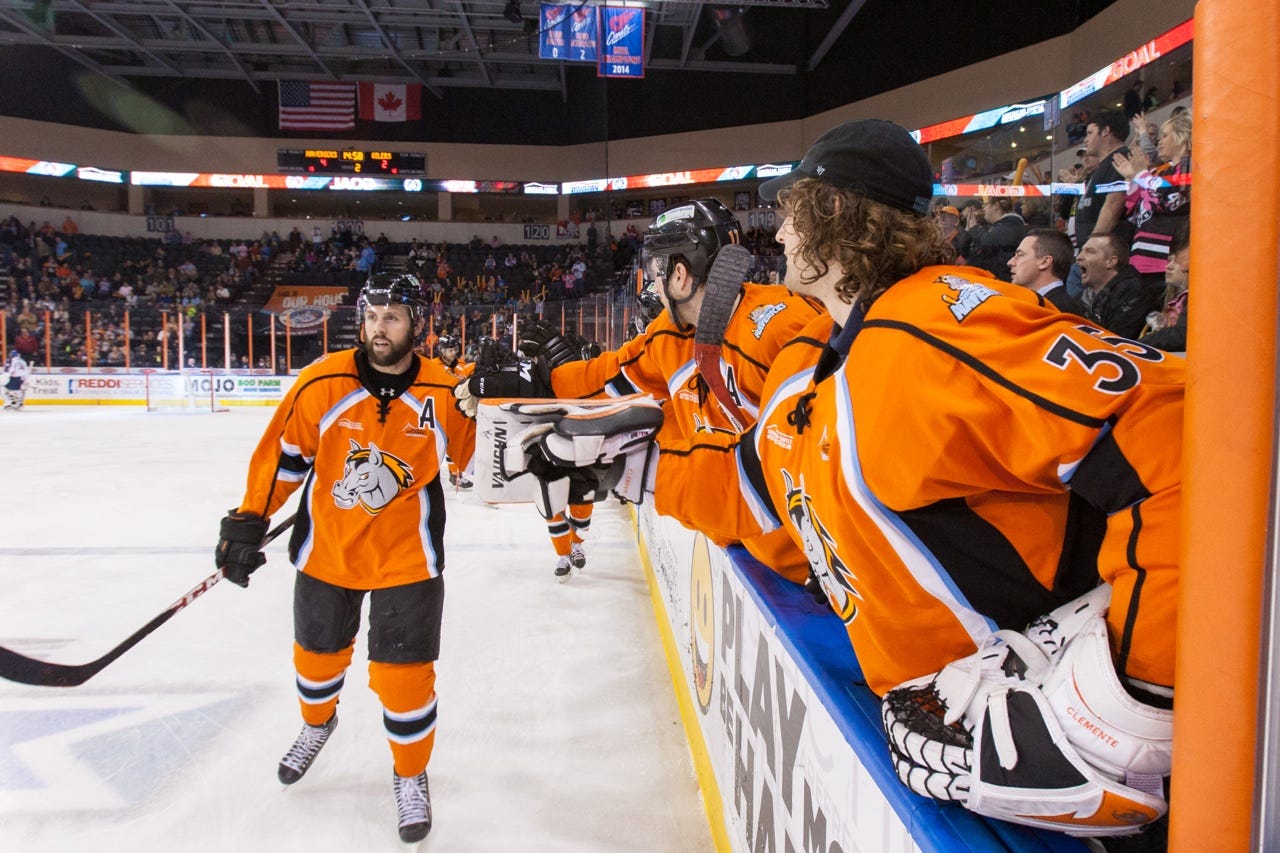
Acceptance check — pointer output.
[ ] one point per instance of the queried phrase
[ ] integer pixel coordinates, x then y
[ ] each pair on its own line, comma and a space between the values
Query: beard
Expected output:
390, 356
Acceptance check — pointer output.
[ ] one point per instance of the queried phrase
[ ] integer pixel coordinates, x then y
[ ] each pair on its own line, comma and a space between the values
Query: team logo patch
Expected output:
306, 317
371, 478
702, 623
762, 314
700, 424
966, 296
820, 547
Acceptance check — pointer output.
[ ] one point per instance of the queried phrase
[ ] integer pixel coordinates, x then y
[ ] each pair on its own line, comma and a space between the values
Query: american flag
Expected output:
317, 106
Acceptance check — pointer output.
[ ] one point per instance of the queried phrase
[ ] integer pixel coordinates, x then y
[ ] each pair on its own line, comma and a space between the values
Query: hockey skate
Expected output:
413, 806
304, 750
564, 567
460, 481
577, 556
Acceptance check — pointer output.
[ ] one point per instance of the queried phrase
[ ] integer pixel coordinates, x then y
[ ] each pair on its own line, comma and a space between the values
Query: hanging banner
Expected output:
582, 35
621, 42
286, 297
553, 33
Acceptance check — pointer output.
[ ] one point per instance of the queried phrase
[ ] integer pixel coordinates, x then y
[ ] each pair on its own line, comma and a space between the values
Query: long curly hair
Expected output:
876, 245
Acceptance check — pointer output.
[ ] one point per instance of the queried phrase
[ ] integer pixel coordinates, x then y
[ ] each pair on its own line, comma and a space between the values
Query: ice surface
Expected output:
557, 731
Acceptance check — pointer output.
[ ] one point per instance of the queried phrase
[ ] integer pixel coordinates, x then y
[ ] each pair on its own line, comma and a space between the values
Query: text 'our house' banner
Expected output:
621, 40
567, 32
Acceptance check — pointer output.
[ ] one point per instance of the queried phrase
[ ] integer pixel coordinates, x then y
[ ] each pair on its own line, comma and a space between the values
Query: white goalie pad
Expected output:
1124, 738
1026, 771
502, 439
1036, 729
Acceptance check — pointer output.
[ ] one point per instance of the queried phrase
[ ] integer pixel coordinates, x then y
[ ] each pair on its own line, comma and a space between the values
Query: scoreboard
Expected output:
320, 161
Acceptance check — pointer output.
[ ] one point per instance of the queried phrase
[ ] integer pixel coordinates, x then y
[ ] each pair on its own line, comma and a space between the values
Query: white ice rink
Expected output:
558, 730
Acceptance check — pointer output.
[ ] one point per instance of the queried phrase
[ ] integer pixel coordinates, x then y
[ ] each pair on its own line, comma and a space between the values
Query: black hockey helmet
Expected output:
692, 233
394, 288
448, 342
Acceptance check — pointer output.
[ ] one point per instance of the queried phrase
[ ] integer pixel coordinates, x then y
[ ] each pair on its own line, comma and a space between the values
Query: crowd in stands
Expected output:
56, 273
1130, 228
1127, 231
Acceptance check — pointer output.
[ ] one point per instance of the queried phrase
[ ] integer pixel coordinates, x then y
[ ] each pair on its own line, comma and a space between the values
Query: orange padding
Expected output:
1230, 421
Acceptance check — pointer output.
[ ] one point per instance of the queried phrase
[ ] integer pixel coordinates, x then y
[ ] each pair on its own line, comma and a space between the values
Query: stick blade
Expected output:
724, 283
25, 670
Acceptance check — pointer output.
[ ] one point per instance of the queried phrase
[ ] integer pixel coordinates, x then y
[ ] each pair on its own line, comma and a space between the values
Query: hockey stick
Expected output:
724, 284
25, 670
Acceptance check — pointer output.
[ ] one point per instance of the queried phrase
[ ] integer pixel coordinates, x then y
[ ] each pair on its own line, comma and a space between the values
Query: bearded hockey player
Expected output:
364, 433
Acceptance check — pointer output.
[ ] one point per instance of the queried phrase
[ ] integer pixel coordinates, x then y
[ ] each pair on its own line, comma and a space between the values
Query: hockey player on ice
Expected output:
370, 525
16, 373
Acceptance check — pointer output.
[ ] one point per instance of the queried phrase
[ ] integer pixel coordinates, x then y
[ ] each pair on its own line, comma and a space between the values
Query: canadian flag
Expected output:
390, 101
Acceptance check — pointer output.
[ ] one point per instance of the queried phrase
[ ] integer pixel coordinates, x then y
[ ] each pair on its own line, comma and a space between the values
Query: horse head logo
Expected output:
370, 478
819, 546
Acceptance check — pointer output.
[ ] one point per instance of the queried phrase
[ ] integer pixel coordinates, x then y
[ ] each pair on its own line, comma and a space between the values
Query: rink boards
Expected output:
107, 387
788, 744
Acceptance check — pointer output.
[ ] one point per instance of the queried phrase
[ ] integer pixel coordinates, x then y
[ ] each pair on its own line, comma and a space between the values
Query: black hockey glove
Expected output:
523, 378
542, 339
239, 551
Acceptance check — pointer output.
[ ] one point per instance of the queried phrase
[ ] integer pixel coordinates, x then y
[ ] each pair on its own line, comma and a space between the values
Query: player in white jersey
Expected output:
16, 373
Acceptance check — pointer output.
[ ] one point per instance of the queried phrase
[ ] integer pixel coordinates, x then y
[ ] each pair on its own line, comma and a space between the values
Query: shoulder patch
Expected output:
762, 314
964, 295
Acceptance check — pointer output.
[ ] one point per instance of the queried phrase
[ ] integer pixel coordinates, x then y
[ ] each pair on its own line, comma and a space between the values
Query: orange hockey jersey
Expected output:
660, 363
460, 370
372, 509
975, 460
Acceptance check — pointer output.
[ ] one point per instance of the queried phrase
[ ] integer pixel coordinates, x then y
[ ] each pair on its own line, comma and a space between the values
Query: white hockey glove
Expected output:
1078, 755
467, 402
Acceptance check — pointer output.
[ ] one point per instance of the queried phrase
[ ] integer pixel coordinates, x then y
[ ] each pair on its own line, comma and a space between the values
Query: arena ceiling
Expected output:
488, 44
211, 66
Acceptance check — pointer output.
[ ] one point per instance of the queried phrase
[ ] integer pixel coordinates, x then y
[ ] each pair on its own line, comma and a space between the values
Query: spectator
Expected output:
1041, 263
994, 245
1101, 208
1133, 99
1167, 329
1159, 198
26, 343
1144, 136
1116, 297
948, 219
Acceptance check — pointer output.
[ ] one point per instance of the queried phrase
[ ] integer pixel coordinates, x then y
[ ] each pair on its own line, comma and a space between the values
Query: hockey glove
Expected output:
239, 551
542, 339
519, 377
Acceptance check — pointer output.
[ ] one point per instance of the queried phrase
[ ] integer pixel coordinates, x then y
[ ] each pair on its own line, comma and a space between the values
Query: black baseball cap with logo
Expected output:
871, 156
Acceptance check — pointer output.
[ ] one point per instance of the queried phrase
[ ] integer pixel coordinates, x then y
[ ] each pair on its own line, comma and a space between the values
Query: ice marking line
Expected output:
107, 550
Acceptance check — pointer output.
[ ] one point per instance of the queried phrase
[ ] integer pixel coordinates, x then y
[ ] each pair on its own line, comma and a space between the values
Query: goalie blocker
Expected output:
1036, 729
527, 450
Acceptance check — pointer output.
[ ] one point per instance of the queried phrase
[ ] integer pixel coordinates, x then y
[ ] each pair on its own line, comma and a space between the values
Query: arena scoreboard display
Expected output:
320, 161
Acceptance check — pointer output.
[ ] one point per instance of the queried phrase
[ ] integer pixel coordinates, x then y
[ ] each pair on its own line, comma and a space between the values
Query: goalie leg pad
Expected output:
598, 437
551, 497
1027, 772
1124, 738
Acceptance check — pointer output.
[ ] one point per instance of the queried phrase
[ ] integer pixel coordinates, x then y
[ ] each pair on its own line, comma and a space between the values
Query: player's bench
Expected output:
787, 740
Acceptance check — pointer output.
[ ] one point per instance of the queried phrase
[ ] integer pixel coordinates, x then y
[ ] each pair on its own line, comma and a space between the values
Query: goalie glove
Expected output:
1078, 755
